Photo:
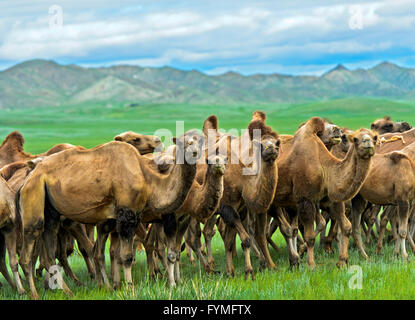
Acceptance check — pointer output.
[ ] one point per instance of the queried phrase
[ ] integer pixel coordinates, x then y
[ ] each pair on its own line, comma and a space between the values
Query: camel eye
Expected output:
375, 138
137, 140
355, 140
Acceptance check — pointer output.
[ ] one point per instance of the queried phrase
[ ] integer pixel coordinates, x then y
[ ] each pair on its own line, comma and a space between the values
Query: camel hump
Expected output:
14, 139
397, 156
258, 123
211, 123
9, 170
258, 115
317, 125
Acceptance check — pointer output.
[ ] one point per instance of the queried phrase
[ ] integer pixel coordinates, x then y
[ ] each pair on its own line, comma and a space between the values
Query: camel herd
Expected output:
164, 201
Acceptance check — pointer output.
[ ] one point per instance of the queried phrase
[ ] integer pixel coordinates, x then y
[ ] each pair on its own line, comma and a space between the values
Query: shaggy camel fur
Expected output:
109, 185
391, 181
331, 137
310, 175
253, 192
11, 150
386, 125
8, 235
201, 202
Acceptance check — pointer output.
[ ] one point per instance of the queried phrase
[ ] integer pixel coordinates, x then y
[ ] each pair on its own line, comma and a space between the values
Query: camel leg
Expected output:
114, 246
103, 230
230, 234
193, 239
126, 225
261, 239
271, 230
63, 257
3, 267
403, 217
320, 221
358, 206
50, 239
149, 246
307, 212
85, 245
170, 230
208, 233
11, 245
288, 233
181, 230
235, 221
337, 210
116, 260
188, 248
382, 228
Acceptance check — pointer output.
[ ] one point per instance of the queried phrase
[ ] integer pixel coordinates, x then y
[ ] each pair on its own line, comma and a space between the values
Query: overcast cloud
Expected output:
296, 37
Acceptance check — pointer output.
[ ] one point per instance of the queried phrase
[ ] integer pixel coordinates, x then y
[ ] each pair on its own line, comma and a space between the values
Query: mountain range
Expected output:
46, 83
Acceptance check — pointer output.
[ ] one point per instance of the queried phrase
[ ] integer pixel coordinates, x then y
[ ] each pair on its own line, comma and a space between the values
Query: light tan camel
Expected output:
386, 125
310, 175
109, 185
391, 181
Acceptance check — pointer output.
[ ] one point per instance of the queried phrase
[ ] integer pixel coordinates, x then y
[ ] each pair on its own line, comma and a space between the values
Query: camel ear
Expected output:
373, 126
118, 138
211, 123
31, 164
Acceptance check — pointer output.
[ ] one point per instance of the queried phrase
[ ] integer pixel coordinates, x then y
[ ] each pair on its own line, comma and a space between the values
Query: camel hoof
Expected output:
262, 265
249, 272
341, 264
116, 286
78, 283
21, 291
34, 296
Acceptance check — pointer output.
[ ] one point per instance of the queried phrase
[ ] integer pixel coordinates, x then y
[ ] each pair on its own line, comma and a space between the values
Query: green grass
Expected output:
384, 277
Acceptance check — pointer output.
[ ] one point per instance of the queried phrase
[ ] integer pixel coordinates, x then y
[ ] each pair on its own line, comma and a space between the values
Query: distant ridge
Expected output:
46, 83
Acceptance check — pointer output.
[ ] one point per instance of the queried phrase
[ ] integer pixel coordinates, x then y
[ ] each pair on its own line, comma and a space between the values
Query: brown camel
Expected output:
391, 181
202, 201
309, 175
253, 191
386, 125
109, 185
8, 235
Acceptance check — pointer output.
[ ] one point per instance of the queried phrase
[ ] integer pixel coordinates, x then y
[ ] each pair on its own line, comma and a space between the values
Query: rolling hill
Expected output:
45, 83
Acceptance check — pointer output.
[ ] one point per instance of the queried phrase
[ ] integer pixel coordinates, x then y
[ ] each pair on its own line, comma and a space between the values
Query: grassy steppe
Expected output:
384, 276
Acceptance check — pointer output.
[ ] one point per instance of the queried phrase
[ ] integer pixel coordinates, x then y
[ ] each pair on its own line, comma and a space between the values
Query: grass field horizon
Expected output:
90, 124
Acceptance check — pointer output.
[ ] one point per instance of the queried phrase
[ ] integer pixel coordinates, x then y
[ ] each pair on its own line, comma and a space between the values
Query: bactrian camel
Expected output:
108, 185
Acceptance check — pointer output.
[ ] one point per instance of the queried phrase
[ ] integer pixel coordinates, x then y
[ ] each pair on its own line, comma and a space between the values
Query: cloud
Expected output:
198, 35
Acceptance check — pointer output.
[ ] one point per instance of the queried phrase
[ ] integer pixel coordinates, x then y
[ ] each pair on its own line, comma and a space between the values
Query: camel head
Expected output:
364, 141
331, 135
143, 143
217, 164
270, 143
190, 144
386, 125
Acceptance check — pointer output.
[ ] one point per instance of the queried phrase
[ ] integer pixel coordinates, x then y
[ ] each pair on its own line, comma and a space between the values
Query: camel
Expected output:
201, 202
332, 137
309, 175
391, 181
8, 235
386, 125
11, 150
251, 192
109, 185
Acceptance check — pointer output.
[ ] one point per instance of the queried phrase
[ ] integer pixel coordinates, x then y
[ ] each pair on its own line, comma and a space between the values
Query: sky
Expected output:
214, 37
